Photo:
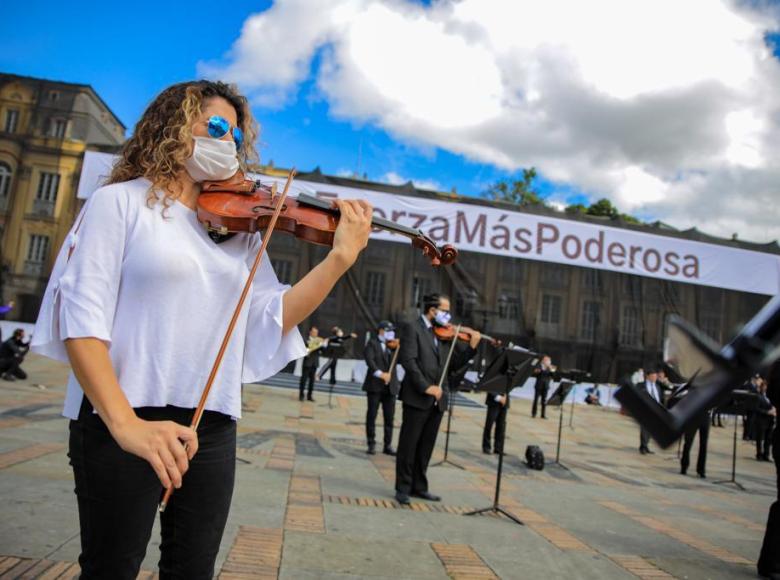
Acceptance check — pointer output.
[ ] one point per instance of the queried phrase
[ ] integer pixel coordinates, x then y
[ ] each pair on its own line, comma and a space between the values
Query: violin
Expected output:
447, 333
392, 344
243, 205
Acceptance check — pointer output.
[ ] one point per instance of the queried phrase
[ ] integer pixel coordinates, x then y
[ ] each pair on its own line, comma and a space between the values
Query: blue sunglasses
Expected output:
219, 126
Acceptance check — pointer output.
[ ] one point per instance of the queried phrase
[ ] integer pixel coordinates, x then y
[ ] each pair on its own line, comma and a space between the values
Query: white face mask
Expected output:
212, 159
442, 318
388, 335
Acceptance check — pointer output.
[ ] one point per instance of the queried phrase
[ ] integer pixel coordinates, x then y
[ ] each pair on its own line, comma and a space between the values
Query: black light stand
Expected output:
508, 370
739, 404
557, 399
445, 460
334, 352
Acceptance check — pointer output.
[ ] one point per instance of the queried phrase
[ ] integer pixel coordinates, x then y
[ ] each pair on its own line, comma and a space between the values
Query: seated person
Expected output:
12, 353
593, 395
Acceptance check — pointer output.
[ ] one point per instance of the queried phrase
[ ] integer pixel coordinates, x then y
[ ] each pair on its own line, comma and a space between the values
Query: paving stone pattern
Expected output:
310, 503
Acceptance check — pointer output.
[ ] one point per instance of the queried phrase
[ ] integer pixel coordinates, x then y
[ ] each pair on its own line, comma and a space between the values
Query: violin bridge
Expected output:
273, 190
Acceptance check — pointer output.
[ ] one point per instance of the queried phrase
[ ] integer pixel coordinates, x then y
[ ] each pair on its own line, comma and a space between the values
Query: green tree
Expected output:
519, 191
601, 208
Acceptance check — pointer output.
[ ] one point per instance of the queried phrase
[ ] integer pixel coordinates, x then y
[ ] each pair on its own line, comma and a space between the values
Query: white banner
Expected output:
489, 230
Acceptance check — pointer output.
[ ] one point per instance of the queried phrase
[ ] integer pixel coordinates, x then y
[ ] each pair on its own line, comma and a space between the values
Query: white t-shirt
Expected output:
162, 293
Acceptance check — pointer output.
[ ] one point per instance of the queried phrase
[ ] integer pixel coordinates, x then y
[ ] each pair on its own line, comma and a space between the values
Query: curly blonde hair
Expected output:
162, 140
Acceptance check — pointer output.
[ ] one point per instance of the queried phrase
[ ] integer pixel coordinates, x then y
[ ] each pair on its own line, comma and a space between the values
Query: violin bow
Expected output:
449, 358
395, 359
218, 361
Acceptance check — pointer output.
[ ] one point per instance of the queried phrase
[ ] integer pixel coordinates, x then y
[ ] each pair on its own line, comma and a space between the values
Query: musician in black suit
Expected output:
544, 373
310, 363
652, 390
703, 427
763, 423
497, 406
423, 357
335, 349
381, 385
769, 561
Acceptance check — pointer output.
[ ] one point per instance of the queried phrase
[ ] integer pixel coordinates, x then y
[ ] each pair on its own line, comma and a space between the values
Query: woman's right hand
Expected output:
162, 444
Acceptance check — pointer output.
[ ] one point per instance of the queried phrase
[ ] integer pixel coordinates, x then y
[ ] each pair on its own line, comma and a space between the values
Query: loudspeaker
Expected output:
534, 457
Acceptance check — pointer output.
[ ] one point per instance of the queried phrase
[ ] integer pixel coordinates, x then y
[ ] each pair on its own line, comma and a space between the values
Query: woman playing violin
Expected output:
137, 302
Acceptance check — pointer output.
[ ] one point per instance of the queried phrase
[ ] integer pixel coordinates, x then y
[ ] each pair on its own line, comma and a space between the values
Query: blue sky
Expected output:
130, 51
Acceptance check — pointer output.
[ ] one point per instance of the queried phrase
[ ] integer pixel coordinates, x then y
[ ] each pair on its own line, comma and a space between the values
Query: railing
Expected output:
33, 268
43, 207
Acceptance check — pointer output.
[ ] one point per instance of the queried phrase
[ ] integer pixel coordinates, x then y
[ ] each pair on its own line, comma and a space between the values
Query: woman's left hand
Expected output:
353, 230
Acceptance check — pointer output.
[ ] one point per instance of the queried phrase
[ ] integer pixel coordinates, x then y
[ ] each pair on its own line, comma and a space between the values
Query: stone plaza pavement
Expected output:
310, 503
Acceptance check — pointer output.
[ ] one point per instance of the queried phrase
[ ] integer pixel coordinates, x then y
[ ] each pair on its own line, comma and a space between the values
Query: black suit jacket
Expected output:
379, 361
423, 365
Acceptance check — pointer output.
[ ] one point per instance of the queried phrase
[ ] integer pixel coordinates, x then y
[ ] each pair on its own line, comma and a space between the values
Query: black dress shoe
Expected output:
486, 450
402, 498
371, 450
426, 495
701, 474
389, 451
642, 450
497, 451
683, 471
310, 399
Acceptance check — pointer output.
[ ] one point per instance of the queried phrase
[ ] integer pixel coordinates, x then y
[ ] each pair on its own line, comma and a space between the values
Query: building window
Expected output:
5, 179
11, 120
633, 287
508, 306
47, 186
630, 327
57, 128
591, 280
465, 302
38, 249
375, 288
283, 269
420, 287
551, 309
54, 96
591, 313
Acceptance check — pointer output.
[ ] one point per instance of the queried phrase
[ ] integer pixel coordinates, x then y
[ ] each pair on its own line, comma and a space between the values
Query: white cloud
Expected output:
670, 108
394, 178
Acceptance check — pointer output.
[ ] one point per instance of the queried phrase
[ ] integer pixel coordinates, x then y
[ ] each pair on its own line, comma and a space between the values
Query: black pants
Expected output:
307, 376
12, 366
748, 426
495, 414
763, 431
387, 400
540, 393
419, 429
329, 366
701, 461
769, 561
118, 494
644, 438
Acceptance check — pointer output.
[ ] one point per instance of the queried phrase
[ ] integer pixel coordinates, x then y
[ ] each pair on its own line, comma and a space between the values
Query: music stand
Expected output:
556, 400
334, 353
445, 460
510, 369
738, 404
